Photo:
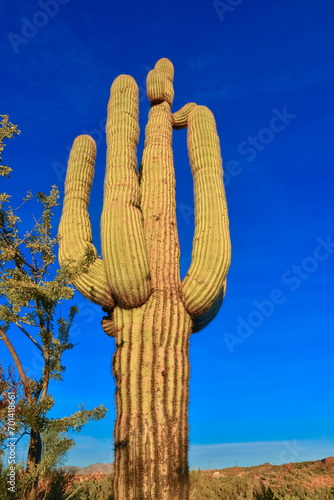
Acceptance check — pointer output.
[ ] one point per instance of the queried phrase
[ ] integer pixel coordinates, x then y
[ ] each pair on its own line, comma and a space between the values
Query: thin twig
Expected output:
24, 433
23, 203
193, 493
71, 495
37, 223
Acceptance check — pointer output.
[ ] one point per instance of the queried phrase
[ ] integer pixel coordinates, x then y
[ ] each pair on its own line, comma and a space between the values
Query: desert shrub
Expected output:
231, 487
262, 493
54, 485
5, 494
92, 490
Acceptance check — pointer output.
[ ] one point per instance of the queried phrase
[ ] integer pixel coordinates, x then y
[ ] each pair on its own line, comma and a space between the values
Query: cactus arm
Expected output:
203, 286
157, 181
75, 234
123, 242
180, 117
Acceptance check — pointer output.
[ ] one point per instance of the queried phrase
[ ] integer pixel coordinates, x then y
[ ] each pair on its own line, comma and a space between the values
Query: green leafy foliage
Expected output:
7, 130
31, 292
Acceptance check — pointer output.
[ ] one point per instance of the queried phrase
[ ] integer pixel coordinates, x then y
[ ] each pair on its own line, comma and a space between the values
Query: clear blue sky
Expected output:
262, 373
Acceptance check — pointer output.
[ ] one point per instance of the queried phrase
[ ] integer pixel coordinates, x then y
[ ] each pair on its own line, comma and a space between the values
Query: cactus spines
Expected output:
151, 313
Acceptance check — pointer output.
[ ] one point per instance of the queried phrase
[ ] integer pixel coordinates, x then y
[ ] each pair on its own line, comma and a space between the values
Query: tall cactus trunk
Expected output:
151, 368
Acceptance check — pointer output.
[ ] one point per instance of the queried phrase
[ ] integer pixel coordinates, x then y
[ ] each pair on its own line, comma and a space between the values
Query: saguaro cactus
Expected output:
150, 312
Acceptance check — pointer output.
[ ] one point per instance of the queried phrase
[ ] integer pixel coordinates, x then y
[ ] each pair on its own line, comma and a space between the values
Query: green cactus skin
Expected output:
151, 313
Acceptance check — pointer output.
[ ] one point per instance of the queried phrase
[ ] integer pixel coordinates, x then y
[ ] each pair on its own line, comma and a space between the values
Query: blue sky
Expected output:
261, 374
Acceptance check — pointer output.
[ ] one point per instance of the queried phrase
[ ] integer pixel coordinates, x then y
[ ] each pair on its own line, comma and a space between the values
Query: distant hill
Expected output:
90, 469
312, 480
108, 468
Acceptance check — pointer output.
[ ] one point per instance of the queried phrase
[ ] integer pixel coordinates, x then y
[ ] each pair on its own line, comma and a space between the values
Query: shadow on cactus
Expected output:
150, 312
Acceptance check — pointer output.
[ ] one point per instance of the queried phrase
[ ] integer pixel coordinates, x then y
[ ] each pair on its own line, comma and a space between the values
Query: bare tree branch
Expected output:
18, 365
29, 336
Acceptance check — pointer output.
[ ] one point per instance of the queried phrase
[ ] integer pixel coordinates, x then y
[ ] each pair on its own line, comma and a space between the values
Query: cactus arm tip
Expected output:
159, 83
